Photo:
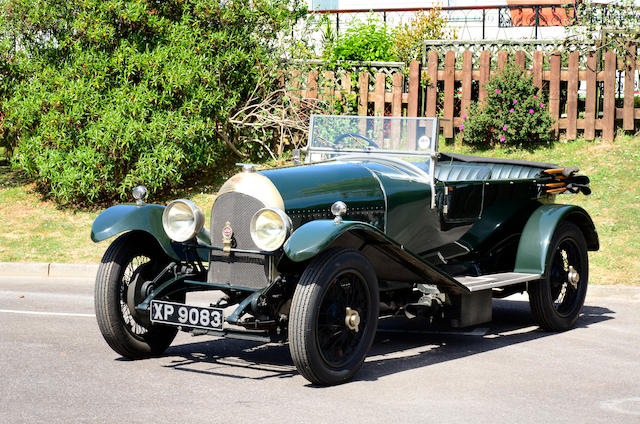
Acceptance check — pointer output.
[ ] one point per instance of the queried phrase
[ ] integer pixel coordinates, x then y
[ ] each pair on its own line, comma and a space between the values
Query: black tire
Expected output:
129, 332
555, 301
325, 350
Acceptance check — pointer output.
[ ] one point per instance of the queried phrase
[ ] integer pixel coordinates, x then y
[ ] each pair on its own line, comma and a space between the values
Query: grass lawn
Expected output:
36, 230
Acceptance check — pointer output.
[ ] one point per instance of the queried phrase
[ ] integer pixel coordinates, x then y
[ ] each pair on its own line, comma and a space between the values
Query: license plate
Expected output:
186, 316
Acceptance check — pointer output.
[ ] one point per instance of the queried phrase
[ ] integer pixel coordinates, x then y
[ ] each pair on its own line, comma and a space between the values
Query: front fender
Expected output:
315, 236
390, 260
533, 247
121, 218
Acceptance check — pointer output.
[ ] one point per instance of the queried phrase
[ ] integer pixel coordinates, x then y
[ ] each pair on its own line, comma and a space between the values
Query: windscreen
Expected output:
333, 136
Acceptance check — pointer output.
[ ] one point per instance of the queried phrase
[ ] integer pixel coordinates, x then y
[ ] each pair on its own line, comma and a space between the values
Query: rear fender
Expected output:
390, 260
122, 218
533, 247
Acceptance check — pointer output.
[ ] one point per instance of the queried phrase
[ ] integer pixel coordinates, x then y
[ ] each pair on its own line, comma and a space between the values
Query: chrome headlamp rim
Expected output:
286, 221
193, 228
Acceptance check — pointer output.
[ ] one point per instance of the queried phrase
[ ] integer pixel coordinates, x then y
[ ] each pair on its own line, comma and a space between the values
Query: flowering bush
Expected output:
514, 114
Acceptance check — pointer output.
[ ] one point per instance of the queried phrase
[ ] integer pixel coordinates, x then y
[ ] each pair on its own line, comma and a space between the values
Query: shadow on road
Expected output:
400, 345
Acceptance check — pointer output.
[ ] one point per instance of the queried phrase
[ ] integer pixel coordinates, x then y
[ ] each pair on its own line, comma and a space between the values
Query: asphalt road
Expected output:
55, 367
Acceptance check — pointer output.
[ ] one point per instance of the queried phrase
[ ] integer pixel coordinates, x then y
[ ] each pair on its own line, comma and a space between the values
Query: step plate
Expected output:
491, 281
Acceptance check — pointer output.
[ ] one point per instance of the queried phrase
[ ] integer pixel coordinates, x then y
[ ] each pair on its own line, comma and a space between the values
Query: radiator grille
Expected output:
243, 270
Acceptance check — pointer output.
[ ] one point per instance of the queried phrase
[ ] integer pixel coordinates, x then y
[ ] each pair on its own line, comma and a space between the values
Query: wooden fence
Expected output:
582, 94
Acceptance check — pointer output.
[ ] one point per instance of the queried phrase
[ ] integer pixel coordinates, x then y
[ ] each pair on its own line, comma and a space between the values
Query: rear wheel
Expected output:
557, 299
123, 281
334, 316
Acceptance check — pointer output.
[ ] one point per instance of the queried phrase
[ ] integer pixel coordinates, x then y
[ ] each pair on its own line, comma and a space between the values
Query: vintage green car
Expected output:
375, 222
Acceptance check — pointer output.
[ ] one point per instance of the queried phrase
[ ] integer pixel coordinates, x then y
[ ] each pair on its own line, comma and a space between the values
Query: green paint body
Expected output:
122, 218
533, 248
130, 217
391, 207
314, 237
309, 191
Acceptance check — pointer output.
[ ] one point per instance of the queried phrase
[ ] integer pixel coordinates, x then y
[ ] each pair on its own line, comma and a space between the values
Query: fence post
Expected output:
412, 101
345, 87
414, 88
378, 109
572, 96
609, 107
520, 59
328, 88
449, 91
296, 80
467, 75
485, 71
503, 58
629, 77
432, 88
591, 99
554, 90
537, 69
396, 109
363, 93
312, 85
396, 94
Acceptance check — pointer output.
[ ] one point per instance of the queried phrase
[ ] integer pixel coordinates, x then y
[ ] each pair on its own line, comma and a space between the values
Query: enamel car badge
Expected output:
227, 234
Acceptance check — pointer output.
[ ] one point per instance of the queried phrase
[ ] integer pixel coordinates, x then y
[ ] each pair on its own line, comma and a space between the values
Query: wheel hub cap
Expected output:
573, 277
352, 319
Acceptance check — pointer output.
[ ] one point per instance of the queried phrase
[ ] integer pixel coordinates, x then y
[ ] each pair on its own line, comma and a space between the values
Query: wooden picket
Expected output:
576, 104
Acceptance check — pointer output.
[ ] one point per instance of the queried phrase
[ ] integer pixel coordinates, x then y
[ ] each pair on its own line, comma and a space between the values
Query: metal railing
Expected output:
474, 22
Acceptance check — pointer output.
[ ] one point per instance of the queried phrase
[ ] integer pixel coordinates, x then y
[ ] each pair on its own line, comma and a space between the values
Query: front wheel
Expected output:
557, 299
128, 266
334, 316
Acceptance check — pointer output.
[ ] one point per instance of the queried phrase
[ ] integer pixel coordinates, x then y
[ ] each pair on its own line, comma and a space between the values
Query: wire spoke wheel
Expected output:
557, 299
127, 283
123, 281
334, 316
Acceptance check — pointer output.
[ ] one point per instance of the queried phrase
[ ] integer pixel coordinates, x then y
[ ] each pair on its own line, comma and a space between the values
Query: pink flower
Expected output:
502, 138
541, 105
497, 91
535, 97
464, 116
530, 69
515, 101
530, 110
511, 110
504, 128
461, 127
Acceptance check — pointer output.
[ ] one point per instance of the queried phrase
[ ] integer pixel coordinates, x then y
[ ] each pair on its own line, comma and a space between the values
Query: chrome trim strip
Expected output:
384, 193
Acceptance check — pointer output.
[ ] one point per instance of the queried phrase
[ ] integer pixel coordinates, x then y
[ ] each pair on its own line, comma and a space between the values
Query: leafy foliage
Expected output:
106, 95
426, 25
613, 23
514, 115
364, 41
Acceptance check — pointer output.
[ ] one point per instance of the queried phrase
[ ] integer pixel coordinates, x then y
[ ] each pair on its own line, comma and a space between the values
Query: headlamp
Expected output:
182, 220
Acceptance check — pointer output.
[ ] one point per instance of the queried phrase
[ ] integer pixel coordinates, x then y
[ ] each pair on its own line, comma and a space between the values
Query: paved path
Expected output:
56, 367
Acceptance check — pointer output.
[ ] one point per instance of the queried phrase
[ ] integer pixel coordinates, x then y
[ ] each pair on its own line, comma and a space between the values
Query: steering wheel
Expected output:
356, 135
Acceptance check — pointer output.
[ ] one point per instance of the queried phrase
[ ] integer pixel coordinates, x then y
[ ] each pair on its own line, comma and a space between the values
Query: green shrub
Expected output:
116, 93
362, 41
515, 113
426, 25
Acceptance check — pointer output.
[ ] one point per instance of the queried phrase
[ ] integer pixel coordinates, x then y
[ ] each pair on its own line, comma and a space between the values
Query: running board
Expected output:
491, 281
